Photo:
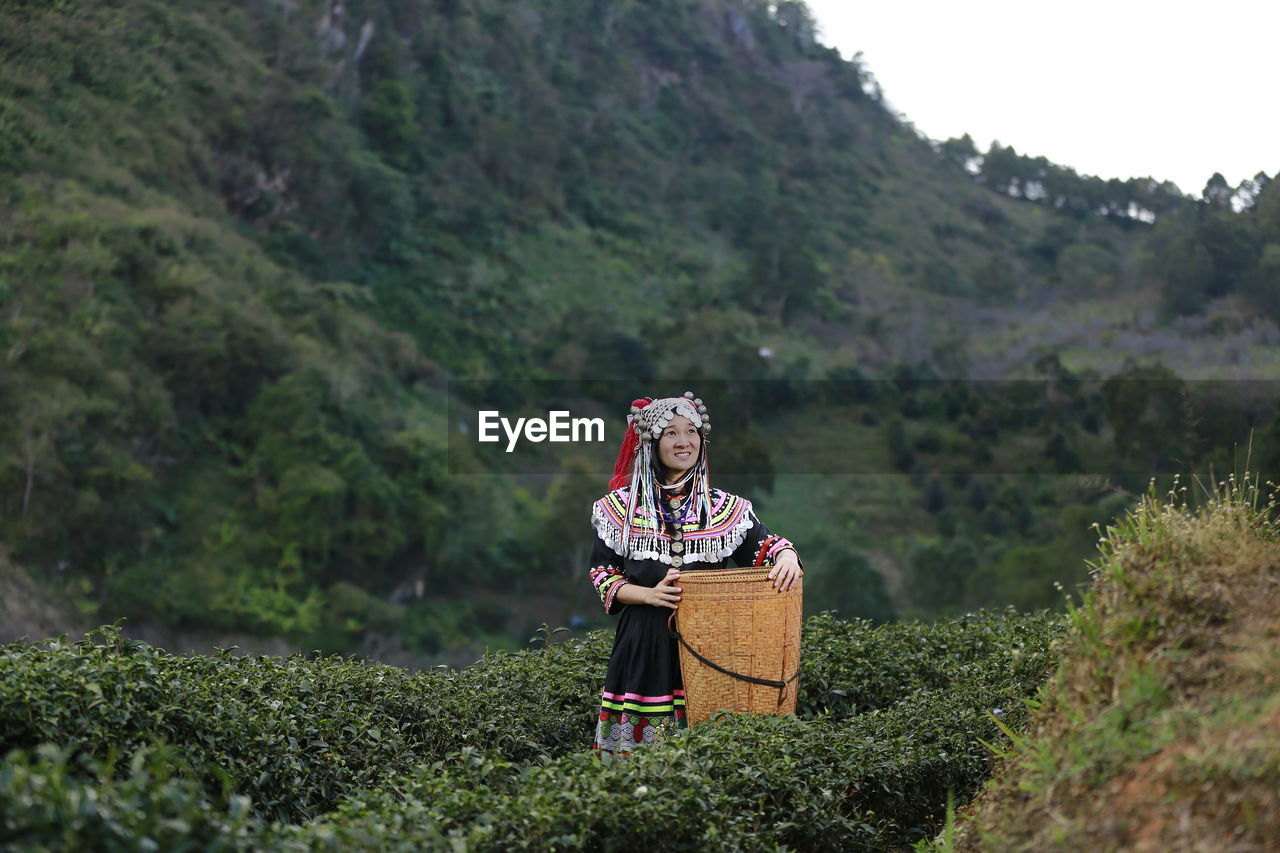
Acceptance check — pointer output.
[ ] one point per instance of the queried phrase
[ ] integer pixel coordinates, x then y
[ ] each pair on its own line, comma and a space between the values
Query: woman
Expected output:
659, 515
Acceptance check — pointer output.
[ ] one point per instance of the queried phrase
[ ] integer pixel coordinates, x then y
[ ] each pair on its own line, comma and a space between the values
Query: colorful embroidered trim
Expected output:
607, 581
622, 732
731, 518
781, 544
642, 704
762, 550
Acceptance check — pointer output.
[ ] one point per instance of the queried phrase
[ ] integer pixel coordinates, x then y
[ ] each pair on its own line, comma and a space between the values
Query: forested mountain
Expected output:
245, 246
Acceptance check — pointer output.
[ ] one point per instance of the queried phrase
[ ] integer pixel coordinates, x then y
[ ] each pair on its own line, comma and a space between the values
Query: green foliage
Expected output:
390, 116
294, 735
900, 452
1261, 286
843, 580
890, 719
1087, 269
1150, 412
1187, 270
1037, 180
936, 571
959, 152
850, 668
50, 801
870, 783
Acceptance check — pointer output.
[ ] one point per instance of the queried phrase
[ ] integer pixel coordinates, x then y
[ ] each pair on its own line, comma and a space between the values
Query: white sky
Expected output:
1120, 89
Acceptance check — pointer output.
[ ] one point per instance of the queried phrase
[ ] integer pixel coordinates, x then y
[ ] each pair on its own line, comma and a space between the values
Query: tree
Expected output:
1217, 193
1087, 269
1149, 412
1246, 195
1261, 286
1266, 212
784, 274
389, 116
935, 496
900, 454
1188, 275
1233, 246
1059, 451
936, 572
843, 579
961, 152
1002, 170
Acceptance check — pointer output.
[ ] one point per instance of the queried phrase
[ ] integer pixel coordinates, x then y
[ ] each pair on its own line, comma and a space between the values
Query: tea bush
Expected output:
51, 801
873, 781
294, 734
495, 756
852, 667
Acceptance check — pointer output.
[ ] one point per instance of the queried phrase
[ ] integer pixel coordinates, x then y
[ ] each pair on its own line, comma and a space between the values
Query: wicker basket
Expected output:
734, 620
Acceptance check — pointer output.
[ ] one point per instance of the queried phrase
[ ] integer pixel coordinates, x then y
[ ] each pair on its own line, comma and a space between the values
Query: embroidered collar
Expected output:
731, 518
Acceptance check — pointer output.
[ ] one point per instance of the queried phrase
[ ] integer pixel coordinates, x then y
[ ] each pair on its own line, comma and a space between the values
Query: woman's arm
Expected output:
608, 577
610, 581
662, 595
762, 547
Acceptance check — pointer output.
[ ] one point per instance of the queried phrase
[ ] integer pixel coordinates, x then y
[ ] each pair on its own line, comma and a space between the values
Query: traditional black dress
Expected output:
643, 693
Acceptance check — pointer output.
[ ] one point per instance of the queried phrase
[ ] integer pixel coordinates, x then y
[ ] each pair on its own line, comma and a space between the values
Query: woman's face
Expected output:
678, 446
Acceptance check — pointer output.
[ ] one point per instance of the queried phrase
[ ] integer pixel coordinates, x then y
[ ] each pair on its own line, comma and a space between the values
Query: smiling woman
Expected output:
661, 514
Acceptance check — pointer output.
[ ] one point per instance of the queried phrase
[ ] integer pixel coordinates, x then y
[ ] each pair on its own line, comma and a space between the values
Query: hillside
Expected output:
246, 247
1159, 731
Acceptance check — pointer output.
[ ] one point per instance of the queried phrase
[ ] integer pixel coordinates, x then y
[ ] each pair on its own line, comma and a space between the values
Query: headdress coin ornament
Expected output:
648, 421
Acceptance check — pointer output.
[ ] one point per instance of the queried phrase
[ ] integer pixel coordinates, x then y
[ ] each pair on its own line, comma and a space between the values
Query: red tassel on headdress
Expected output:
627, 453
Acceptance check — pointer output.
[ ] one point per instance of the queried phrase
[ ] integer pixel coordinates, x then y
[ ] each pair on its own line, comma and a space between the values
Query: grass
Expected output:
1159, 731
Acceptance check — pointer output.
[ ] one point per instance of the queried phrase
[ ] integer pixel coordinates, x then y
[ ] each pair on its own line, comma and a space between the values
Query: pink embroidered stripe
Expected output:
601, 576
611, 594
777, 548
607, 581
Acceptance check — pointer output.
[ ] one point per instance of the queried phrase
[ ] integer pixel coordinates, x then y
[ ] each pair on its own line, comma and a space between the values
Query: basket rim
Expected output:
747, 573
733, 571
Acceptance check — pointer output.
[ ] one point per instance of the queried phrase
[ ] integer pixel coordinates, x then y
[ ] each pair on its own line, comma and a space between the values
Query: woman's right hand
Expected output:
664, 594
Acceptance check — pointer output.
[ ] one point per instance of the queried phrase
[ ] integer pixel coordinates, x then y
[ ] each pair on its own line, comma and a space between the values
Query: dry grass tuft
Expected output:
1161, 729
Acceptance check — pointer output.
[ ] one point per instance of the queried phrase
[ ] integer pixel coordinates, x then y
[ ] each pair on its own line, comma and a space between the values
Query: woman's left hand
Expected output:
786, 569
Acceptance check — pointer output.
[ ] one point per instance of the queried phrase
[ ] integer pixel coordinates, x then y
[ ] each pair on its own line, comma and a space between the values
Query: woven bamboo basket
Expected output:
733, 619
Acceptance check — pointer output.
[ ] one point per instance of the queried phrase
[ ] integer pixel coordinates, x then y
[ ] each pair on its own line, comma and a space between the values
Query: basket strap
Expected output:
767, 682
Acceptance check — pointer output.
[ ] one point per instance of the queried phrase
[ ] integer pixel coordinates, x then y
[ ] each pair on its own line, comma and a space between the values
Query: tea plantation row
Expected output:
116, 745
